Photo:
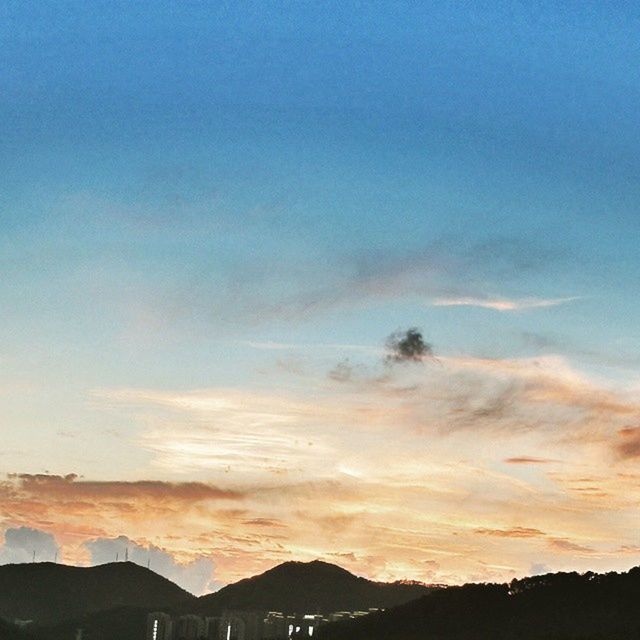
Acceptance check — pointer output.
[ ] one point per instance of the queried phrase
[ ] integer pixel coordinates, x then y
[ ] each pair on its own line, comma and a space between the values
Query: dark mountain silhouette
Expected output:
561, 606
307, 587
51, 593
290, 587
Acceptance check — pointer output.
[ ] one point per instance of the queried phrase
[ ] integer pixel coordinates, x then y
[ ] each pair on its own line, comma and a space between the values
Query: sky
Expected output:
214, 215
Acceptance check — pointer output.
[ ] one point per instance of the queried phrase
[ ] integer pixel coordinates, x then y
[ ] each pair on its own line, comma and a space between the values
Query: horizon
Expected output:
310, 562
320, 280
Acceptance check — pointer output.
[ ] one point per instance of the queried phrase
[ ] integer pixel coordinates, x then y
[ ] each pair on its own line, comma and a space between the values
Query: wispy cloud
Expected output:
298, 287
293, 456
71, 486
319, 346
502, 304
560, 544
529, 460
515, 532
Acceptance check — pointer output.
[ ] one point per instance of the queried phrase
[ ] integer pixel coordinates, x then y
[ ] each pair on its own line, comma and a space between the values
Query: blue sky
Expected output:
240, 196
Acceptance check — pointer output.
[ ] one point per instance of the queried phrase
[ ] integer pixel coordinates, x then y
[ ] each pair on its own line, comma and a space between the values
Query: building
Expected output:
275, 625
212, 628
305, 625
189, 627
159, 626
242, 625
278, 626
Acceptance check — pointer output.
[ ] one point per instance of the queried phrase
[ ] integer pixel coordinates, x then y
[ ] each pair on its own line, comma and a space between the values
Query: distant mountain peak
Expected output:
311, 567
50, 592
308, 587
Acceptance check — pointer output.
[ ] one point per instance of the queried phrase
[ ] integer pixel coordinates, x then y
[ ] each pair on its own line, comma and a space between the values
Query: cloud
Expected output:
264, 522
248, 435
407, 346
515, 532
431, 482
72, 487
538, 569
529, 460
294, 287
561, 544
195, 576
318, 346
629, 447
615, 356
503, 304
532, 393
75, 509
23, 544
342, 372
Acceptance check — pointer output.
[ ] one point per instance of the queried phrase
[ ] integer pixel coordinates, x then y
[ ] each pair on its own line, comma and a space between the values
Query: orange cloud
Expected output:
630, 445
72, 488
269, 470
515, 532
529, 460
572, 547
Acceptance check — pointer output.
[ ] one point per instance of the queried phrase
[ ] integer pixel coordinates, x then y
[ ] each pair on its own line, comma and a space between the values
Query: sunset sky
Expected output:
214, 214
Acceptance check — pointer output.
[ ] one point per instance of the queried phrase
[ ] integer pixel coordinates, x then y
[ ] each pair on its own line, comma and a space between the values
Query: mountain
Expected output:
51, 593
561, 606
290, 587
307, 587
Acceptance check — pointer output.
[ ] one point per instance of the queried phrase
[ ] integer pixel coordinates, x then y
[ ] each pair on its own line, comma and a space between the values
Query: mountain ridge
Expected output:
308, 587
51, 593
554, 606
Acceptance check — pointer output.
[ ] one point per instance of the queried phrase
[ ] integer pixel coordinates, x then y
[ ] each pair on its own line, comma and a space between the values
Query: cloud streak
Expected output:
72, 487
272, 468
503, 304
252, 294
526, 460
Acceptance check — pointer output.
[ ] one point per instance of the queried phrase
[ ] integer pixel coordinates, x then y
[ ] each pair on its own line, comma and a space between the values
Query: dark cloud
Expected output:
407, 346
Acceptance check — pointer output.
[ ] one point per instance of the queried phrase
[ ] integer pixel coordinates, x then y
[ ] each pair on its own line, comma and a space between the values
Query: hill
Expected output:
290, 587
52, 593
562, 606
307, 587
